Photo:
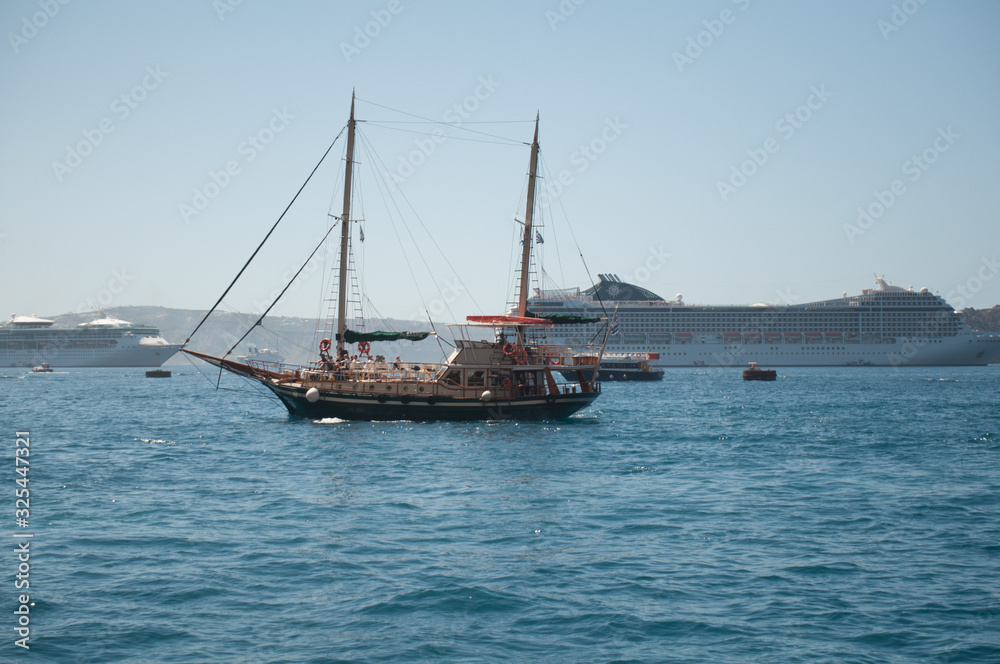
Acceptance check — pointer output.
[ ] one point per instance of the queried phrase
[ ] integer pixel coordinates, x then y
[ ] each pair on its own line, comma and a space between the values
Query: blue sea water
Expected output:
835, 515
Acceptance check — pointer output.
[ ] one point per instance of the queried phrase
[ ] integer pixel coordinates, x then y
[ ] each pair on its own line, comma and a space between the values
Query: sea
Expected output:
834, 515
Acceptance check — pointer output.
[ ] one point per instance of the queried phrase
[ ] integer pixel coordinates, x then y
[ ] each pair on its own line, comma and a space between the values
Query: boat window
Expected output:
476, 379
453, 377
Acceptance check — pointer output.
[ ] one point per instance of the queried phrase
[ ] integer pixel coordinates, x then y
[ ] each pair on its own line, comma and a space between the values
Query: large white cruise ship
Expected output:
887, 325
27, 341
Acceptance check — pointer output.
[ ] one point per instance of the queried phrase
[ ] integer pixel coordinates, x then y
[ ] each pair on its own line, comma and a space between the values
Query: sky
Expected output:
732, 151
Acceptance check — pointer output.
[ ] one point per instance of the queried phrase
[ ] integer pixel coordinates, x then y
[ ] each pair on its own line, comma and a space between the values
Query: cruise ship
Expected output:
28, 341
886, 325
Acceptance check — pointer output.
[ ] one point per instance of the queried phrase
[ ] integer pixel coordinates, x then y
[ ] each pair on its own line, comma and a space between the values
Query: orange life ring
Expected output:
324, 345
521, 356
509, 349
554, 359
505, 381
364, 347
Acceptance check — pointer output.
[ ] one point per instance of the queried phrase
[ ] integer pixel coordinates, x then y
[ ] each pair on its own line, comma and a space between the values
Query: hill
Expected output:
295, 338
984, 320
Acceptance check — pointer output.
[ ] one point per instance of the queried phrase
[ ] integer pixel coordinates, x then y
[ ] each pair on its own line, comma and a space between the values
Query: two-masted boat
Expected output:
501, 366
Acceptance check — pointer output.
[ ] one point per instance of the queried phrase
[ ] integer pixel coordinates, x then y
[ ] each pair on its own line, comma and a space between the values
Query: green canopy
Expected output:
352, 337
565, 319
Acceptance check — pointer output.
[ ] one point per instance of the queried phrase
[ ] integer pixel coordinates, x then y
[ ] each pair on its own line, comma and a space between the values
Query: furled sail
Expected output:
352, 337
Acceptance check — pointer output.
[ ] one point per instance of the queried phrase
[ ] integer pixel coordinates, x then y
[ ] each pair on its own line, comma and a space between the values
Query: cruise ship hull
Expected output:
136, 356
916, 352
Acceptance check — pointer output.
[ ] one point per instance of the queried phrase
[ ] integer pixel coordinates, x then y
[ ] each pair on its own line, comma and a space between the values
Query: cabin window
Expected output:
453, 377
476, 379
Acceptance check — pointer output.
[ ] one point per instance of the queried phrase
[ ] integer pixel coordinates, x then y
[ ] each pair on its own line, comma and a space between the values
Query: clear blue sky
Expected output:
664, 202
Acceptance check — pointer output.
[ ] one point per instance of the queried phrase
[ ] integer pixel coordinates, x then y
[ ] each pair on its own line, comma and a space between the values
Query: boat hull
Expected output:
760, 374
364, 407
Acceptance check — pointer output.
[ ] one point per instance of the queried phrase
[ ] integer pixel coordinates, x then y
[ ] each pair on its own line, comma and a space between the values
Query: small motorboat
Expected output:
755, 373
45, 368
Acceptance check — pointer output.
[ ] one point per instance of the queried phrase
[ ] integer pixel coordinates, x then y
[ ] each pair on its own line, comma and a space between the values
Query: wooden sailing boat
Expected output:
510, 376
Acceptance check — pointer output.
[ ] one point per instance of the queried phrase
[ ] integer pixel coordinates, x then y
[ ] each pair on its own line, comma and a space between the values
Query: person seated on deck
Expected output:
522, 384
340, 365
397, 365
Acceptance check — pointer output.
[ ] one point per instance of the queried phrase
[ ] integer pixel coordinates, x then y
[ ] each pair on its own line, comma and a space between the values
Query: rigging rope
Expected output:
260, 246
370, 150
447, 124
283, 291
582, 259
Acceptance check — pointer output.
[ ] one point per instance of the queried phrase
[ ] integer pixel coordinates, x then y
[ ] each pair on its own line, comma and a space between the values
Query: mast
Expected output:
522, 297
345, 234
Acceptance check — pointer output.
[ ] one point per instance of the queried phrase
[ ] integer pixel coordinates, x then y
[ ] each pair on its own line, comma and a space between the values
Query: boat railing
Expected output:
563, 355
423, 372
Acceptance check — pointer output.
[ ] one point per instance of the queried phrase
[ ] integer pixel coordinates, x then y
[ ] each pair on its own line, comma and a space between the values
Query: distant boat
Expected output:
501, 366
755, 373
625, 367
45, 368
255, 354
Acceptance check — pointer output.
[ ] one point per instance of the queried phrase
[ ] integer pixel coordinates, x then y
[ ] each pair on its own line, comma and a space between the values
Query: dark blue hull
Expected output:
370, 407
